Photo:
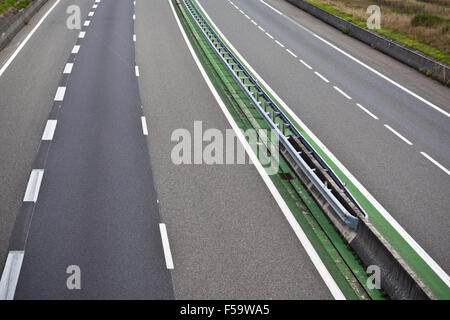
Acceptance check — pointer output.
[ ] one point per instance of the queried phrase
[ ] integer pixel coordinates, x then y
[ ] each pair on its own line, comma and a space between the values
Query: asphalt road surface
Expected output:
107, 186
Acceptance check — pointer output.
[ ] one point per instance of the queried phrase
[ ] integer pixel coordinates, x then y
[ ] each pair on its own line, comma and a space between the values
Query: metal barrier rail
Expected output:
263, 103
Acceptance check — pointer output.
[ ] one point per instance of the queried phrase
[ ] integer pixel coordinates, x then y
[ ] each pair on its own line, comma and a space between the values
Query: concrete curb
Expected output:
18, 21
408, 56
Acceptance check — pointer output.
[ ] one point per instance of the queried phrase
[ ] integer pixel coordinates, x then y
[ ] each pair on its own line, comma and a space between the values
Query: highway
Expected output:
116, 91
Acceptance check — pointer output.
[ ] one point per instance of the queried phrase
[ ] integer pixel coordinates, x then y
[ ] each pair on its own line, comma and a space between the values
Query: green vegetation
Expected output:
16, 5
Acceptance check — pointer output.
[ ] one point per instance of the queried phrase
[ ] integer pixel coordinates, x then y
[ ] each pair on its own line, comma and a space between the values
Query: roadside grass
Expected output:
7, 4
423, 25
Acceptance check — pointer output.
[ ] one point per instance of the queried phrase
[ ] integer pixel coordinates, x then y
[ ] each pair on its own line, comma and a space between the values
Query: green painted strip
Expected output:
411, 257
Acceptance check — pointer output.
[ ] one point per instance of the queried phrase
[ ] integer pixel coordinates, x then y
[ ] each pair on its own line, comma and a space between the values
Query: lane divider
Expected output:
341, 91
317, 262
442, 275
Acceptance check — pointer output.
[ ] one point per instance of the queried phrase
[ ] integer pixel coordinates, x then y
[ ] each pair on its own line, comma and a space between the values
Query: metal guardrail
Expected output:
263, 103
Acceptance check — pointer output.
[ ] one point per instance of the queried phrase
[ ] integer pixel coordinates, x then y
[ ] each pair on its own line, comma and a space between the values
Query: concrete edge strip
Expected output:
317, 262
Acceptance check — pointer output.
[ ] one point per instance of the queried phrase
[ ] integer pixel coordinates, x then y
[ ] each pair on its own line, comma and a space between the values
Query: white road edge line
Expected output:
420, 251
49, 130
10, 275
261, 28
326, 276
291, 53
166, 246
436, 163
277, 11
24, 42
144, 126
321, 77
34, 185
269, 35
398, 135
367, 111
254, 22
342, 92
136, 69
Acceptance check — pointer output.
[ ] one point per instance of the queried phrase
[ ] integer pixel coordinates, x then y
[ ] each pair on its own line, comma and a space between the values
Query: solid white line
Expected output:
166, 246
82, 34
269, 35
398, 135
367, 111
33, 186
87, 23
436, 163
136, 69
342, 92
24, 42
385, 77
260, 28
326, 276
59, 96
144, 126
49, 130
307, 65
75, 49
279, 43
420, 251
68, 68
277, 11
292, 54
321, 77
10, 275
